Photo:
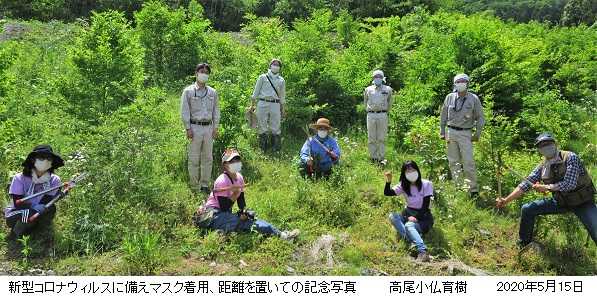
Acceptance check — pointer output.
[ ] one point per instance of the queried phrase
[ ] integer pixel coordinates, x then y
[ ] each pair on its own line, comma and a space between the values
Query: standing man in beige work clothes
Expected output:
461, 112
378, 101
270, 94
200, 114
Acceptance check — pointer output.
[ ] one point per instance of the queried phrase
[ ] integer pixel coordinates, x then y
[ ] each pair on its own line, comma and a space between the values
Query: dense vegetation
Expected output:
105, 92
227, 15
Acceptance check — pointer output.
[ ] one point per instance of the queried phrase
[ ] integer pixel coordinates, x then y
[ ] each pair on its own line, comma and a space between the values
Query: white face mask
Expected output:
42, 165
549, 151
274, 68
235, 167
202, 77
412, 176
322, 133
378, 81
460, 87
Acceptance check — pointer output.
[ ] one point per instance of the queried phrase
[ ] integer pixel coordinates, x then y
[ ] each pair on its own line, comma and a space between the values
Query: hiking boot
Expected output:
474, 195
290, 235
276, 143
204, 189
263, 142
423, 257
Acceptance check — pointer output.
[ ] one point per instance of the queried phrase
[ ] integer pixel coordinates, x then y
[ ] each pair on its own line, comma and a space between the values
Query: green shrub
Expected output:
211, 245
172, 40
423, 139
108, 67
142, 253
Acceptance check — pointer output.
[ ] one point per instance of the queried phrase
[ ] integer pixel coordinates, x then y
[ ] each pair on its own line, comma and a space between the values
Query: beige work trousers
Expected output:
268, 117
461, 159
200, 155
377, 132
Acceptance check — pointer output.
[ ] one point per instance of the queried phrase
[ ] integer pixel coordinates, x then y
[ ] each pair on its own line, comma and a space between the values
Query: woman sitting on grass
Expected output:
416, 218
217, 214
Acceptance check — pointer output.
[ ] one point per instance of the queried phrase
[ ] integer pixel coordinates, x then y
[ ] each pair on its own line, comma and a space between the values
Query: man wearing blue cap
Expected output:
563, 174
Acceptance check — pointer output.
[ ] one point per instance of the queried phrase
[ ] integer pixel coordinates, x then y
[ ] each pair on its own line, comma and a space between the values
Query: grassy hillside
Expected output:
350, 206
105, 94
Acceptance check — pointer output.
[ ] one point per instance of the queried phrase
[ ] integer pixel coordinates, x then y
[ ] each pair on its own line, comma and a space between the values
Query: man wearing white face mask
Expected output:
321, 152
378, 102
200, 115
461, 112
270, 95
564, 175
37, 176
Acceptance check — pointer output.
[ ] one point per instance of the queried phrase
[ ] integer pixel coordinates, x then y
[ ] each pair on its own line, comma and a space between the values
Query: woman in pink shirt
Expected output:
416, 219
229, 188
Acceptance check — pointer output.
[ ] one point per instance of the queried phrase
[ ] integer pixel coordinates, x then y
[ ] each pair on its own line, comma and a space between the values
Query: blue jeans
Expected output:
230, 222
409, 230
587, 213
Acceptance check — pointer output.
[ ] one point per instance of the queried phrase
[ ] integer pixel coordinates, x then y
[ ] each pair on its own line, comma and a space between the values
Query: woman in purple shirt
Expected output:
37, 176
416, 219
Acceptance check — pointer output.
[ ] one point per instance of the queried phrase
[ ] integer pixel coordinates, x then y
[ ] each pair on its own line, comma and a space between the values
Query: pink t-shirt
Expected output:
415, 200
223, 181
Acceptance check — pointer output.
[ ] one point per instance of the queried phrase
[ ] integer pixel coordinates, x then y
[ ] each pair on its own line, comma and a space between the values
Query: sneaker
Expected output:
290, 235
530, 246
423, 257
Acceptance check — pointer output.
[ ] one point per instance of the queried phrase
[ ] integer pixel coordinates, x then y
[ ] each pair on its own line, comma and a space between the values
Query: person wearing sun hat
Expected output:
320, 152
37, 176
229, 188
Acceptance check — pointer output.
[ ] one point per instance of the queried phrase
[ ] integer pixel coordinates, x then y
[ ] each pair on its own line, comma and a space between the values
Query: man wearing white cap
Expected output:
461, 112
270, 94
378, 101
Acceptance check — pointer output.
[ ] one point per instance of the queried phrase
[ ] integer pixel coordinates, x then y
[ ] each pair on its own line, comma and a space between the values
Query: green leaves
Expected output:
106, 96
108, 66
142, 253
173, 40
